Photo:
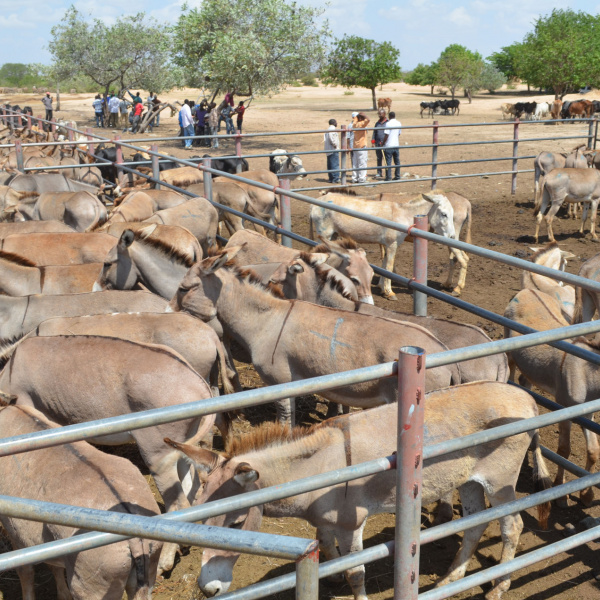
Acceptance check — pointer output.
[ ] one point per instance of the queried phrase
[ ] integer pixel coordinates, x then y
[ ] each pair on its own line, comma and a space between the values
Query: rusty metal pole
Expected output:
343, 154
307, 575
590, 133
29, 122
53, 125
3, 116
90, 146
285, 211
207, 178
420, 267
155, 166
119, 160
19, 154
595, 133
70, 135
515, 162
434, 152
411, 408
238, 151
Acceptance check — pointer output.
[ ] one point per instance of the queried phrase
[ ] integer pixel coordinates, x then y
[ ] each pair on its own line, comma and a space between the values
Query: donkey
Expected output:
292, 340
553, 257
108, 377
79, 474
587, 302
570, 380
7, 229
326, 223
273, 455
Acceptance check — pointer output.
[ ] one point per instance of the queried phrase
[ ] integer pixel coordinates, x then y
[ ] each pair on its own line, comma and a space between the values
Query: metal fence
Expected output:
410, 375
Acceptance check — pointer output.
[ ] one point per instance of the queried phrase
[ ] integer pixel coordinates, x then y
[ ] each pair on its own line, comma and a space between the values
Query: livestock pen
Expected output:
407, 538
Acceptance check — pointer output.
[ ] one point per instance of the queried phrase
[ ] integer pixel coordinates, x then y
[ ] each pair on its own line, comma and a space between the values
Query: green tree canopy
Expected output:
459, 67
248, 46
491, 78
423, 75
132, 52
562, 52
507, 60
358, 62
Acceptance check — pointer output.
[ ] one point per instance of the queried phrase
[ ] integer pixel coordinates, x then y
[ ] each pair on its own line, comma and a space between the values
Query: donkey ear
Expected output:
204, 460
295, 268
145, 232
245, 475
126, 239
318, 258
566, 254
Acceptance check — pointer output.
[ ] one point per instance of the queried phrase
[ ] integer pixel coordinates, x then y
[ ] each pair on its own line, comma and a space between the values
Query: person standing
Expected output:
200, 127
391, 144
350, 144
213, 125
332, 145
137, 117
98, 110
113, 109
226, 113
239, 111
187, 123
124, 111
47, 102
136, 98
377, 141
359, 152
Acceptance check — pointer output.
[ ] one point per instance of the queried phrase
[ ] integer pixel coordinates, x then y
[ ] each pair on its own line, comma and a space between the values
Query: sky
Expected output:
420, 29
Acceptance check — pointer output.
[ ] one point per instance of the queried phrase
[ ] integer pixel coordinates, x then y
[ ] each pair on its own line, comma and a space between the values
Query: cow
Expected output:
556, 109
541, 110
227, 165
280, 162
429, 106
507, 109
525, 108
582, 109
447, 105
384, 103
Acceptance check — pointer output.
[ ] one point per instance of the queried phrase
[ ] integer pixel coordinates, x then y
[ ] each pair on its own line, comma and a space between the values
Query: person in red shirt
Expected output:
239, 111
137, 115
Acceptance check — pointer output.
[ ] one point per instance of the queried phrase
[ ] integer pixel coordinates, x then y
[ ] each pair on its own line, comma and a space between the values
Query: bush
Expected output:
309, 80
348, 93
296, 84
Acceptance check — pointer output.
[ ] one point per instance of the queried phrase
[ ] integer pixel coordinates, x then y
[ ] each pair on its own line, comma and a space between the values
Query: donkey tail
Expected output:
541, 480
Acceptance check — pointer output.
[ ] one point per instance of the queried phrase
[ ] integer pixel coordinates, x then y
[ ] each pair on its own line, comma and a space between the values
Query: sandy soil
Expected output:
500, 220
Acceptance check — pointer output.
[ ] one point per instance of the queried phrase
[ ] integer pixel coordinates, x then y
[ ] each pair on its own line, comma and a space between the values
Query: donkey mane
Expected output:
251, 277
326, 276
543, 251
346, 243
593, 343
15, 258
166, 248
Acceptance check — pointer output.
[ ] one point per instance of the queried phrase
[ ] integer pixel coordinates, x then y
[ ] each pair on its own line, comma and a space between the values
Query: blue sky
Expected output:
420, 29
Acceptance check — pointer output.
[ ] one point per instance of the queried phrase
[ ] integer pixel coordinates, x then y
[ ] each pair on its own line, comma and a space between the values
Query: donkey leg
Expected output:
564, 450
463, 261
62, 589
594, 213
584, 216
26, 577
593, 453
351, 541
473, 500
388, 264
447, 285
327, 544
286, 411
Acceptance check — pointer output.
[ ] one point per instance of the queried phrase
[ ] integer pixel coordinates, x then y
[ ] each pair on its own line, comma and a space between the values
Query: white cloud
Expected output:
460, 17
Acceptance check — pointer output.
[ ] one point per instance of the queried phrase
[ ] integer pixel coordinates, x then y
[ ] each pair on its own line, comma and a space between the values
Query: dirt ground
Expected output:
500, 221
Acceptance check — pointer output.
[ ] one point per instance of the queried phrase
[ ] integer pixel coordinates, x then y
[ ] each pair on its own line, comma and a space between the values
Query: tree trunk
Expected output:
453, 90
469, 96
215, 95
431, 92
374, 98
528, 88
57, 96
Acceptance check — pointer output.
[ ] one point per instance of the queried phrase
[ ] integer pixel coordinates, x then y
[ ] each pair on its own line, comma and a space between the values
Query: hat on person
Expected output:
47, 93
361, 115
354, 114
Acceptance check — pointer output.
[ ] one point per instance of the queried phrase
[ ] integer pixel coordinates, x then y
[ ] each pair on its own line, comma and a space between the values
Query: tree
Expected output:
507, 60
423, 75
491, 78
358, 62
562, 52
459, 67
248, 46
132, 52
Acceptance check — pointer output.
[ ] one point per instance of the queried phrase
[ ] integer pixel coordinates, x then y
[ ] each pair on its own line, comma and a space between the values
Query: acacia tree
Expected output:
460, 67
423, 75
562, 52
132, 52
248, 46
358, 62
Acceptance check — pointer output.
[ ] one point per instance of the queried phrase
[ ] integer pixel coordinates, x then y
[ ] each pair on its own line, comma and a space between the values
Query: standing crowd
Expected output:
121, 112
385, 139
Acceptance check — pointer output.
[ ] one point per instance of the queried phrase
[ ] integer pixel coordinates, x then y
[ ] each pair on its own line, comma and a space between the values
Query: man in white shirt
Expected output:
391, 146
187, 123
113, 108
332, 144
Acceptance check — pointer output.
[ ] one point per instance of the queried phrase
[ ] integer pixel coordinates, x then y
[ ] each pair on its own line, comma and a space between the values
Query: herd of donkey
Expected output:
108, 313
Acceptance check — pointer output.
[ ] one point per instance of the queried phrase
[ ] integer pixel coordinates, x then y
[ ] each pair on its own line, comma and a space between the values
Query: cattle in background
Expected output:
525, 108
385, 103
564, 113
541, 110
507, 109
450, 105
556, 109
430, 107
582, 109
227, 165
596, 106
280, 163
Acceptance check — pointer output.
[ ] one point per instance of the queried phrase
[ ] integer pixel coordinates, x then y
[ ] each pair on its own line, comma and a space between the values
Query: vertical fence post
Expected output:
28, 121
409, 461
307, 576
515, 162
285, 211
434, 151
420, 266
3, 116
207, 178
19, 153
155, 166
90, 146
343, 153
238, 152
119, 160
70, 135
595, 132
53, 125
40, 124
590, 133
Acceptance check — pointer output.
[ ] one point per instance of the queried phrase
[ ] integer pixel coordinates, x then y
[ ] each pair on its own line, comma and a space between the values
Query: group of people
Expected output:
205, 119
385, 138
121, 111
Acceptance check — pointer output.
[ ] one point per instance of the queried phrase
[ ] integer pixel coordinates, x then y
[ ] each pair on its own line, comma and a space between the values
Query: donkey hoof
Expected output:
587, 497
391, 296
563, 502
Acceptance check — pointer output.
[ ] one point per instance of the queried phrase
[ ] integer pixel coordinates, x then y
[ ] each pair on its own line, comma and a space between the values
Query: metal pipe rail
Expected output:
157, 416
87, 541
157, 529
